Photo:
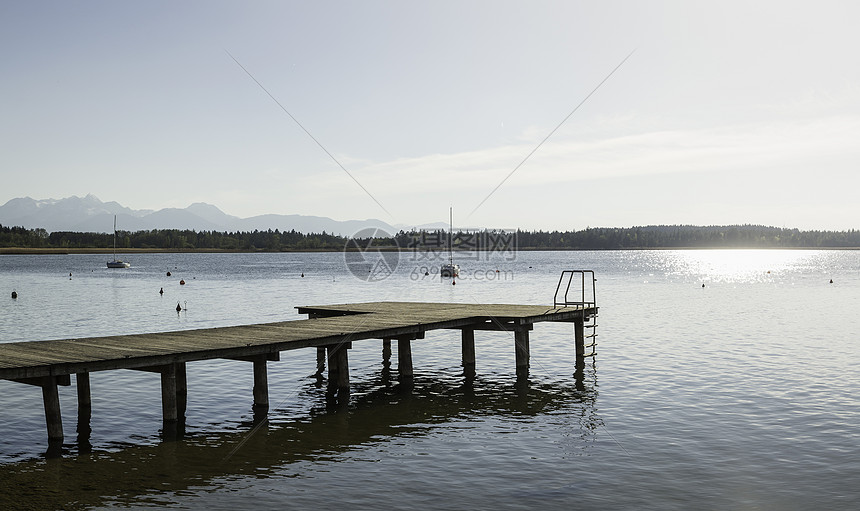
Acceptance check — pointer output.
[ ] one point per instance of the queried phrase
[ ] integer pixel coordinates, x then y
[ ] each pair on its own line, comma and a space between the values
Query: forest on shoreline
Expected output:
592, 238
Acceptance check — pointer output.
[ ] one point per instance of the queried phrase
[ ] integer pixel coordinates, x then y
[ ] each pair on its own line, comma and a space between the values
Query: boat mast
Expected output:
450, 233
114, 237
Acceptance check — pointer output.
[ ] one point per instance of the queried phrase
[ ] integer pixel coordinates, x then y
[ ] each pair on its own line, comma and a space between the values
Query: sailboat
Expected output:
116, 263
450, 269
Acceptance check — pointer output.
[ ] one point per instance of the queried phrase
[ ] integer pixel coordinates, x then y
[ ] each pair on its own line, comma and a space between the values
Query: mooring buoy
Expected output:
14, 295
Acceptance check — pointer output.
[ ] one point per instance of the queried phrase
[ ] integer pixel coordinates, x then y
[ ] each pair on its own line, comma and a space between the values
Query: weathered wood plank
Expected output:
358, 321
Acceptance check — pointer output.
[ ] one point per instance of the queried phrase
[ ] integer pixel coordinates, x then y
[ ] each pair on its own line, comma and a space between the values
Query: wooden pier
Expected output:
331, 329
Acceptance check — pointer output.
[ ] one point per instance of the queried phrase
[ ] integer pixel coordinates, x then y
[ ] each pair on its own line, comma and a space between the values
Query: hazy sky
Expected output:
727, 112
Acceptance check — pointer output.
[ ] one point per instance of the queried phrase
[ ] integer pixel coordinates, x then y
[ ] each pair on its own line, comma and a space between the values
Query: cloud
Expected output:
752, 146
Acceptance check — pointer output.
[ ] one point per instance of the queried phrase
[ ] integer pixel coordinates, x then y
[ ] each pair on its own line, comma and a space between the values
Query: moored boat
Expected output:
449, 269
116, 263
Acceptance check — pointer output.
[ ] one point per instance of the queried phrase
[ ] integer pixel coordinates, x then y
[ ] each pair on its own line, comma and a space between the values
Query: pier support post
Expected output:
174, 396
342, 369
51, 400
404, 359
468, 341
261, 386
261, 381
338, 371
579, 337
53, 417
181, 394
168, 400
386, 358
85, 411
521, 346
579, 374
320, 361
386, 353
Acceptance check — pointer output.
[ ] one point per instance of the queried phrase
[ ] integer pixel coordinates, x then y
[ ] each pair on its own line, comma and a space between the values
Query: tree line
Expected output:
592, 238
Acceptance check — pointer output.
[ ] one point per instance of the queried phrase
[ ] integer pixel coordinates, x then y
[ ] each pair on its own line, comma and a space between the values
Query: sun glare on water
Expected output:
744, 265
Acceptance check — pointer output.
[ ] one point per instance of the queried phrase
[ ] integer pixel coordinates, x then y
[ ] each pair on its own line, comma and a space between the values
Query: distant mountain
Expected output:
89, 214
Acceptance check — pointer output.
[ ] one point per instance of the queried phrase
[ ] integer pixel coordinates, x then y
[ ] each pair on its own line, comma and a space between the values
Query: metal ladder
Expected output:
585, 297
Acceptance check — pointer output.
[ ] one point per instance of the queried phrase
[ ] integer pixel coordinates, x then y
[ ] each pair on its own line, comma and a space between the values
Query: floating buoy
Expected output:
70, 274
178, 307
831, 281
703, 284
426, 273
14, 295
453, 282
181, 282
303, 274
161, 291
168, 274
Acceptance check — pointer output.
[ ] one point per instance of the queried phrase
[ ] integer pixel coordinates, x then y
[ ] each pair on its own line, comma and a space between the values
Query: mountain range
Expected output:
89, 214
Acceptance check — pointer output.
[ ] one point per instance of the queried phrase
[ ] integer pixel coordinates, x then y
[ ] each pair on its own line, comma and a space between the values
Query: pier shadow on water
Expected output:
379, 410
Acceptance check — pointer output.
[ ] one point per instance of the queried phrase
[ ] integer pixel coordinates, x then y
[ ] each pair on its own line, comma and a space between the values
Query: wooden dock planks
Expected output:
330, 324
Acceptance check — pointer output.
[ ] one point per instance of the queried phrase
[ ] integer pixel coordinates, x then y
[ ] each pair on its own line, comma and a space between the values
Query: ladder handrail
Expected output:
590, 319
570, 274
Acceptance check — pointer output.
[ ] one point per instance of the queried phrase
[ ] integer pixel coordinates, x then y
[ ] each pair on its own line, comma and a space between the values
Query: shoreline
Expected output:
94, 251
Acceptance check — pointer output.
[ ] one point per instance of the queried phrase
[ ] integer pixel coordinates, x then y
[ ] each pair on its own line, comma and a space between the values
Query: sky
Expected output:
515, 114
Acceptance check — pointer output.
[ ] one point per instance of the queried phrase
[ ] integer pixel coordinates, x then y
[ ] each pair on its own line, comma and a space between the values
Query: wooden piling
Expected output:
342, 355
579, 374
468, 342
338, 369
82, 382
320, 361
579, 337
261, 379
53, 417
404, 358
386, 353
386, 360
181, 392
85, 408
331, 388
521, 347
261, 384
168, 393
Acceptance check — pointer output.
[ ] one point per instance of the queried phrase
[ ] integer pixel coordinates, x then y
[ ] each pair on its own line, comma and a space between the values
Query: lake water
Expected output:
744, 394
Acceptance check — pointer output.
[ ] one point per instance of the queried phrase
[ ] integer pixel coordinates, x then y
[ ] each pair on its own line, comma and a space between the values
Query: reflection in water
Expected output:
742, 265
379, 411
